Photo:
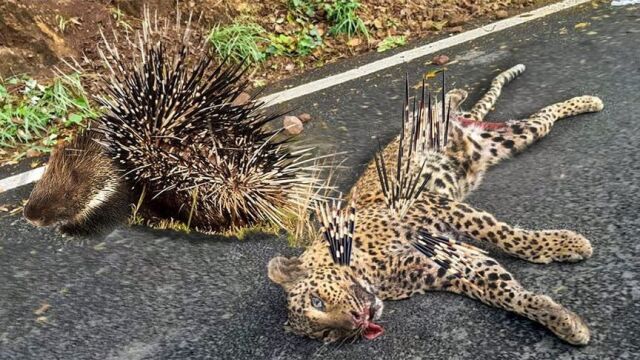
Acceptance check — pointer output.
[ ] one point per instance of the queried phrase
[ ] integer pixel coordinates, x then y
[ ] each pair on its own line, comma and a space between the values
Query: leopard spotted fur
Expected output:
331, 302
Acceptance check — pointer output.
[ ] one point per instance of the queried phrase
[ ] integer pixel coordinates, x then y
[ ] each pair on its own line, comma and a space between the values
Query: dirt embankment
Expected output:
36, 34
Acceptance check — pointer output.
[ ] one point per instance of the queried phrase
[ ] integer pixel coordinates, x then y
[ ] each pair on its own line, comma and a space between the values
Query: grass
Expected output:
342, 14
63, 23
245, 40
391, 42
119, 17
36, 114
241, 41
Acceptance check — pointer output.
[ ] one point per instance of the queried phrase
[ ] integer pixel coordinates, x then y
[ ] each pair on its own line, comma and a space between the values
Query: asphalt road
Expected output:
142, 294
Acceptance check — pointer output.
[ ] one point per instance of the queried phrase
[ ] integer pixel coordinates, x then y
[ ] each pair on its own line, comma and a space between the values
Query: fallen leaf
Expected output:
33, 153
426, 25
377, 23
457, 20
431, 74
502, 14
354, 41
41, 319
259, 82
42, 309
581, 25
438, 25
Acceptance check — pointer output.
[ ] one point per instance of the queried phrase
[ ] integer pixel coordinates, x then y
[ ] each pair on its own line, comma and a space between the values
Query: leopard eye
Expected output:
317, 303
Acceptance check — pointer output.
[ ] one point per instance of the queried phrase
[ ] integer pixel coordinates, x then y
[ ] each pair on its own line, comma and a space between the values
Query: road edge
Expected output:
34, 175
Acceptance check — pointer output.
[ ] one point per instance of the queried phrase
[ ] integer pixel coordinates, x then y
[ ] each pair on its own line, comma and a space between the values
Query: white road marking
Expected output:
24, 178
418, 52
333, 80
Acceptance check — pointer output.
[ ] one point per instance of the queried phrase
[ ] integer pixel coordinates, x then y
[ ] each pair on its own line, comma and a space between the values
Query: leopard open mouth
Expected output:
369, 329
372, 331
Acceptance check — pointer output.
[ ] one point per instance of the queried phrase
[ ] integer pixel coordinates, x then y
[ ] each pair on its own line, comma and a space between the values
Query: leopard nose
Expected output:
360, 317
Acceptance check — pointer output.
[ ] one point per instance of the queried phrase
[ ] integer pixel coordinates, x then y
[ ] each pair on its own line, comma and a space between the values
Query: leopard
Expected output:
397, 254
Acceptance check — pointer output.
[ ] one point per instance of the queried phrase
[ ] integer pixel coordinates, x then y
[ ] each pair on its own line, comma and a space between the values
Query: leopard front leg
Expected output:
465, 270
543, 246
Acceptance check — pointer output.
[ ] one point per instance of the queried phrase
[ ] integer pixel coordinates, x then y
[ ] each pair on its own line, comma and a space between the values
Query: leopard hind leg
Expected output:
494, 143
488, 100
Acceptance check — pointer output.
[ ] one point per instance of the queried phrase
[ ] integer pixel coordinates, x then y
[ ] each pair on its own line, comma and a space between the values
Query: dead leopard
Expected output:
410, 212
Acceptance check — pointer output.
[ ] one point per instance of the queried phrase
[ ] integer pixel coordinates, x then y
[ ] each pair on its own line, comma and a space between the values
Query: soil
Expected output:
34, 36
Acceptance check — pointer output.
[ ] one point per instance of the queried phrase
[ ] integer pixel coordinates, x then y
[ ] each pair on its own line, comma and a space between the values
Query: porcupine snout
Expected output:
35, 214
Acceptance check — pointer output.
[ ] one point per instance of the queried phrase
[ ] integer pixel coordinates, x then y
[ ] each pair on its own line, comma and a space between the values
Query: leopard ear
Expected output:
285, 271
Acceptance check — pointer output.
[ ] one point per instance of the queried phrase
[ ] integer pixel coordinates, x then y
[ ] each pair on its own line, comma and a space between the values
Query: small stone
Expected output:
440, 59
456, 29
305, 117
241, 99
31, 153
502, 14
292, 125
42, 309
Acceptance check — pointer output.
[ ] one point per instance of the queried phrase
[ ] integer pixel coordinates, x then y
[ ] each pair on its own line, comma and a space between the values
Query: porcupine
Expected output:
173, 134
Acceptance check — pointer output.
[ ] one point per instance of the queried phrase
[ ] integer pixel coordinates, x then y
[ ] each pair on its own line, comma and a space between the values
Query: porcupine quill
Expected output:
449, 254
425, 124
338, 226
172, 126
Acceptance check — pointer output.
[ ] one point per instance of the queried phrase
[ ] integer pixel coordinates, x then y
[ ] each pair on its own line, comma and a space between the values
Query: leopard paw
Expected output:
589, 103
566, 324
562, 246
455, 98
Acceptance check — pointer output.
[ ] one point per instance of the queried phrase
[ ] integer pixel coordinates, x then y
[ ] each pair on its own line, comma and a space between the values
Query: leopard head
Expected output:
328, 302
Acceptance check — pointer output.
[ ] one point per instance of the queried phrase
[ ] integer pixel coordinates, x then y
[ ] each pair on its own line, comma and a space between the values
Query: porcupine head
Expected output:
81, 190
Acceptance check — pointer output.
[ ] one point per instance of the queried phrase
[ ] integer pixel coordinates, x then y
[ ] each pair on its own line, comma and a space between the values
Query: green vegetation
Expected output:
63, 23
303, 8
119, 16
239, 41
300, 44
245, 39
391, 42
30, 111
342, 14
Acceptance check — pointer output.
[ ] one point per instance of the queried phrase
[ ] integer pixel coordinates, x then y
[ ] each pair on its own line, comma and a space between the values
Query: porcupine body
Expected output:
181, 144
